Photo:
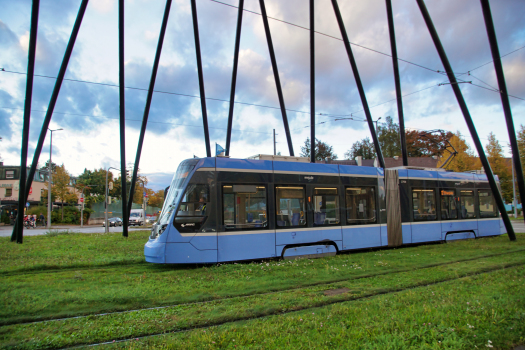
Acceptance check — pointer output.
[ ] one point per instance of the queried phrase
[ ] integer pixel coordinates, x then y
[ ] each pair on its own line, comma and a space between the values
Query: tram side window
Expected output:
194, 200
424, 204
326, 206
290, 206
244, 207
466, 207
360, 205
448, 205
487, 207
192, 213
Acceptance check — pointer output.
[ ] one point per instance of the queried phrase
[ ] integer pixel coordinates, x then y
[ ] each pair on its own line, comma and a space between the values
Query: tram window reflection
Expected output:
487, 207
424, 204
448, 205
290, 205
326, 206
360, 205
244, 207
466, 207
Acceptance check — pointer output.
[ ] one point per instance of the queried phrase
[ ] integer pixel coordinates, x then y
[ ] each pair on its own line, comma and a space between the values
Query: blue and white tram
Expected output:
222, 209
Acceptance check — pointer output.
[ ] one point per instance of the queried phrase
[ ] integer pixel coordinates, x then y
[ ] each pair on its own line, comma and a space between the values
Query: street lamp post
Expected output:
375, 121
49, 205
143, 198
106, 226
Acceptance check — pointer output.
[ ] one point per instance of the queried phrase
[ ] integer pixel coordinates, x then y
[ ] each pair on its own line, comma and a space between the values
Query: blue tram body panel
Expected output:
246, 245
406, 229
459, 225
215, 243
361, 236
185, 253
426, 231
489, 227
309, 235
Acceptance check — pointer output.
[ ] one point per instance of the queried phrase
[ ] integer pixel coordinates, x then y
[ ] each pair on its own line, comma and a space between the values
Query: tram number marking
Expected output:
309, 178
403, 181
189, 224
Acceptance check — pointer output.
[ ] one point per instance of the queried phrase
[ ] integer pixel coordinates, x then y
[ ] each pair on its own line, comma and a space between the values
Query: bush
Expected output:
5, 219
71, 215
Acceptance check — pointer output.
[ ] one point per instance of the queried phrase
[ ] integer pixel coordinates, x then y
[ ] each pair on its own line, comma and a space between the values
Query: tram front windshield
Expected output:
176, 189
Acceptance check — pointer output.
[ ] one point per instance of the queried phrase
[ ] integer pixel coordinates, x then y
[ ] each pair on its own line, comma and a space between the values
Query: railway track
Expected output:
284, 290
326, 303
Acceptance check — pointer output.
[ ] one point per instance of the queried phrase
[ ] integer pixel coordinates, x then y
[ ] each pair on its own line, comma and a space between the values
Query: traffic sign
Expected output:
81, 200
27, 204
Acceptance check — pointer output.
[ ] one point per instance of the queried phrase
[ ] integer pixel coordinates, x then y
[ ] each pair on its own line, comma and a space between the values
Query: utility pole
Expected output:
274, 144
49, 204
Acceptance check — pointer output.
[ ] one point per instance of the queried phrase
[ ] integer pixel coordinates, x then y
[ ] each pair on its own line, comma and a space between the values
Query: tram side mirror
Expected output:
245, 188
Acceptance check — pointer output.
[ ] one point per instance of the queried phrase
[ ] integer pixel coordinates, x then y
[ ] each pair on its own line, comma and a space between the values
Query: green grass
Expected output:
69, 292
71, 250
94, 329
85, 274
484, 311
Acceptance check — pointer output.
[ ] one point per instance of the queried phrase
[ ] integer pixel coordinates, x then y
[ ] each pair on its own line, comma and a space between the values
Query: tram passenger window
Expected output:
448, 205
244, 207
194, 200
424, 204
360, 205
466, 207
487, 207
326, 206
290, 206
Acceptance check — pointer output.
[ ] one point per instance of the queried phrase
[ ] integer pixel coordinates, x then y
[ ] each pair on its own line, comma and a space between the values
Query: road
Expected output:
5, 231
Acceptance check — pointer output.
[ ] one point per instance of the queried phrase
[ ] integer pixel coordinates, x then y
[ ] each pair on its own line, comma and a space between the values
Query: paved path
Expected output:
5, 231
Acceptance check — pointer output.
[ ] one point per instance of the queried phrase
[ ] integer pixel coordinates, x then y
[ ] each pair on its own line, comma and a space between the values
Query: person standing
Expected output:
42, 219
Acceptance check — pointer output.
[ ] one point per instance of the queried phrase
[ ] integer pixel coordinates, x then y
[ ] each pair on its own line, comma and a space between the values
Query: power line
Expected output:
330, 36
137, 120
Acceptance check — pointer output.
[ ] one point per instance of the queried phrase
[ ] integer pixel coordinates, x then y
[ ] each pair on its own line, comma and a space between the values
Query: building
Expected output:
9, 188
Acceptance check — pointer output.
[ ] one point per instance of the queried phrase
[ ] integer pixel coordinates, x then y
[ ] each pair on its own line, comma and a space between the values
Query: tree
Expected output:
465, 160
322, 150
424, 144
95, 181
363, 148
156, 199
388, 137
61, 180
500, 167
521, 148
46, 166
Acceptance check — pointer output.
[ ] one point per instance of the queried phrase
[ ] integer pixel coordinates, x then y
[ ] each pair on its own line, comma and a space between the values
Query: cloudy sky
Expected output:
89, 112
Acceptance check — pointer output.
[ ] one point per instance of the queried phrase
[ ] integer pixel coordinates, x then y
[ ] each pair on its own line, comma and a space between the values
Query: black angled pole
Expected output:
122, 110
234, 76
491, 33
148, 103
201, 78
18, 232
468, 118
312, 82
359, 84
276, 76
53, 100
397, 80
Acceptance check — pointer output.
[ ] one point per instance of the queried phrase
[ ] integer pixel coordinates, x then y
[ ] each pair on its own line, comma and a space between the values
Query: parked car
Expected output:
114, 222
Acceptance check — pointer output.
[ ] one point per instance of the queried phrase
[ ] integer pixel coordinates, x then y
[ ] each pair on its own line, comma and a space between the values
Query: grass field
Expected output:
61, 291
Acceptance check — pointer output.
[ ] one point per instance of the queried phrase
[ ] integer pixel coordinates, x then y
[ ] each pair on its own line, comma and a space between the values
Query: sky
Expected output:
89, 112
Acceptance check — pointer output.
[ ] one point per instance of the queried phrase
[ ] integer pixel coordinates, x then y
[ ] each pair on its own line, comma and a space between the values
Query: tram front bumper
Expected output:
154, 251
